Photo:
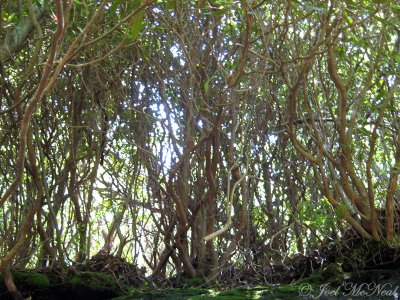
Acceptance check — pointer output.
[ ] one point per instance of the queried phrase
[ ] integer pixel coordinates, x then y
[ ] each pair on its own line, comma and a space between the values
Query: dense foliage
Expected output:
189, 135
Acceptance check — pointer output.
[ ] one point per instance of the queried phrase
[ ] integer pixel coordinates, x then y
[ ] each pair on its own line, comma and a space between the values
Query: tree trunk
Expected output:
9, 283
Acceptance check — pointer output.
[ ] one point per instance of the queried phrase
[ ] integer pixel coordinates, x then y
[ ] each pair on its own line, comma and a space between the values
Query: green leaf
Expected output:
341, 210
169, 4
206, 86
114, 6
10, 18
316, 8
384, 21
137, 24
348, 20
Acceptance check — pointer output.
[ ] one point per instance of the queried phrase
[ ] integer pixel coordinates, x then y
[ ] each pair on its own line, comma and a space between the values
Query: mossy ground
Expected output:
260, 292
82, 285
96, 285
92, 285
31, 279
92, 280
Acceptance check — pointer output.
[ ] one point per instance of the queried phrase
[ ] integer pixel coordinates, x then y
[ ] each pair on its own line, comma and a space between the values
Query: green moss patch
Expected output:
261, 292
93, 280
31, 279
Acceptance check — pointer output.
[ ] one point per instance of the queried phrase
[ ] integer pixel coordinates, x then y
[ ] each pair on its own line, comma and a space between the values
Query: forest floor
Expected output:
97, 285
356, 269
